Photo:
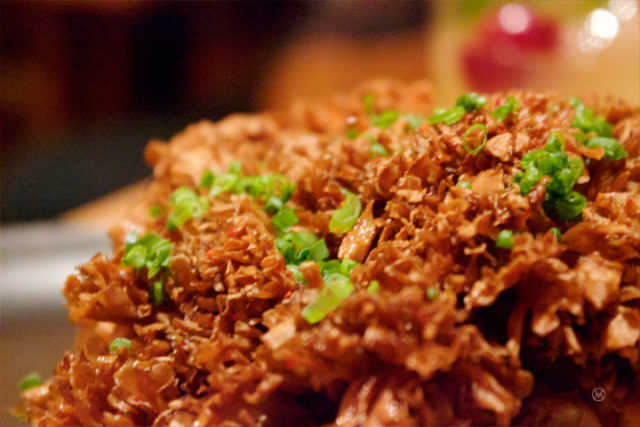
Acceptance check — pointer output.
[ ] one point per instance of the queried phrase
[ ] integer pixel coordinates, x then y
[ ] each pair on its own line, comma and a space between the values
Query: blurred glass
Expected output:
573, 48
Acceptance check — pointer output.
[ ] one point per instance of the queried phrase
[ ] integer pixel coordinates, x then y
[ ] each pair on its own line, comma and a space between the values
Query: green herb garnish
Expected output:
564, 173
432, 293
377, 149
480, 147
505, 239
449, 117
415, 121
336, 289
556, 232
284, 219
352, 132
155, 211
206, 181
612, 148
186, 205
150, 251
383, 120
586, 121
344, 218
501, 112
374, 287
466, 103
30, 380
119, 343
471, 101
464, 184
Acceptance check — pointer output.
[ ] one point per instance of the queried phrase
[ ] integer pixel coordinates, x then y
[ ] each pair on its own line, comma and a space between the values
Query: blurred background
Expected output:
85, 85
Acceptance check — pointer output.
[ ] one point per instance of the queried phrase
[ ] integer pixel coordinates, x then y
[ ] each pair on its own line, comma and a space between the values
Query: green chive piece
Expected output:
155, 211
30, 380
119, 343
347, 265
284, 219
586, 121
336, 289
415, 121
235, 167
612, 148
471, 101
464, 184
149, 251
369, 100
505, 239
344, 218
206, 181
352, 132
568, 207
556, 232
186, 205
385, 119
377, 149
296, 273
480, 147
318, 251
374, 287
449, 117
432, 293
158, 293
502, 111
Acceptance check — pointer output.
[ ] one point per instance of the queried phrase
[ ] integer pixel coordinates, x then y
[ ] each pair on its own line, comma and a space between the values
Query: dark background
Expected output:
85, 85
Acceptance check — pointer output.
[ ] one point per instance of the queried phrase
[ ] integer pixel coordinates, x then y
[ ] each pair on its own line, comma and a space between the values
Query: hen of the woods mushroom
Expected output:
371, 259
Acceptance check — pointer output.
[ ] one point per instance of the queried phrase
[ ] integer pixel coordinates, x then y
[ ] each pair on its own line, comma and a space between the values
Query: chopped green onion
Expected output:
330, 266
556, 232
568, 207
564, 173
385, 119
374, 287
432, 293
369, 100
296, 273
336, 289
273, 205
284, 219
352, 132
471, 101
464, 184
449, 117
415, 121
186, 205
158, 293
318, 251
480, 147
206, 181
347, 265
149, 251
612, 148
344, 218
501, 112
504, 239
235, 167
377, 149
30, 380
119, 343
587, 122
155, 211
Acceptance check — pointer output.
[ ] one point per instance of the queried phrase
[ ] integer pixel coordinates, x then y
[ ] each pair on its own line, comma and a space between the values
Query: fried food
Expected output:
370, 261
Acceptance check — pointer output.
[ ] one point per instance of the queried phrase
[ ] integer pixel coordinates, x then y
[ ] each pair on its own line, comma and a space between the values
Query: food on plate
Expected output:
371, 260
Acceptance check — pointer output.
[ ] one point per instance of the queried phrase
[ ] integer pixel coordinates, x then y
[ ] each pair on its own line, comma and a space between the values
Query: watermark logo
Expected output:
598, 394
